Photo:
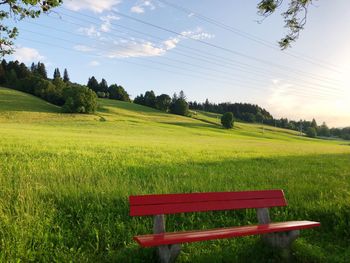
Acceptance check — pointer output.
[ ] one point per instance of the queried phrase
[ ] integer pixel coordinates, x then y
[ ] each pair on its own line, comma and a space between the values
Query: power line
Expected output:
328, 88
191, 64
249, 36
162, 69
221, 48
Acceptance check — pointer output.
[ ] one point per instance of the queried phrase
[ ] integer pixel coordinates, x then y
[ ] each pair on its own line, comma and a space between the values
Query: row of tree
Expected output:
241, 111
254, 113
177, 104
59, 91
114, 91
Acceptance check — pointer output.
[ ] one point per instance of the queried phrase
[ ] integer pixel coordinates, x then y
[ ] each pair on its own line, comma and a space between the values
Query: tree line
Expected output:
255, 114
73, 97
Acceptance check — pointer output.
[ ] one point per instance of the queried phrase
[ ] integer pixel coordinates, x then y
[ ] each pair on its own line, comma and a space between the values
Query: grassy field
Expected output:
65, 181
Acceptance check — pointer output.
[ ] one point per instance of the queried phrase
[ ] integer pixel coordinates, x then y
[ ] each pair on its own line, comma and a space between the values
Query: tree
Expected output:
179, 106
294, 17
311, 132
103, 86
93, 84
163, 102
118, 93
227, 120
17, 10
79, 99
150, 99
56, 74
41, 70
139, 99
65, 76
323, 130
314, 124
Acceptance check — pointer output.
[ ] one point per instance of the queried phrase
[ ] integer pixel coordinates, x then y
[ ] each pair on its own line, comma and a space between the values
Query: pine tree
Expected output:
65, 76
103, 86
33, 68
57, 74
93, 84
41, 70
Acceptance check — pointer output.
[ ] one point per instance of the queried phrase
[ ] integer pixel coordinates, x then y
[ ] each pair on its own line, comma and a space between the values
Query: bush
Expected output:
311, 132
79, 99
227, 120
118, 93
180, 107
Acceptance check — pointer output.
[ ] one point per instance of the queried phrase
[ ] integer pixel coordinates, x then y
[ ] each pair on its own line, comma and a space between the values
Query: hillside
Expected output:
66, 179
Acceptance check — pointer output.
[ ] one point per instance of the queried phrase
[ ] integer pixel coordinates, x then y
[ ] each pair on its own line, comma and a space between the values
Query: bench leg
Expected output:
281, 240
167, 253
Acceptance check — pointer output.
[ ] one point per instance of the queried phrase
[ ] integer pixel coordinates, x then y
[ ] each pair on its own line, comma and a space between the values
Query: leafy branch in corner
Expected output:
294, 17
18, 10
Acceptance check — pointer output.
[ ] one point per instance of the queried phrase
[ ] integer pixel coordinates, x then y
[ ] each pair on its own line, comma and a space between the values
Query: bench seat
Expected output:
170, 238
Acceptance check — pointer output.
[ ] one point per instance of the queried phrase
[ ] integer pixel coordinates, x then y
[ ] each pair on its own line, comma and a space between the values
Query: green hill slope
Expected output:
65, 181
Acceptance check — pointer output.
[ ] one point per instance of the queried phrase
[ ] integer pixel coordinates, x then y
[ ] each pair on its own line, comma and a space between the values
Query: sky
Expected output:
220, 50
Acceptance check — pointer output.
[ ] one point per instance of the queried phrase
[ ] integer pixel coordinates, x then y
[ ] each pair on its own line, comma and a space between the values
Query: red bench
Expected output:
280, 234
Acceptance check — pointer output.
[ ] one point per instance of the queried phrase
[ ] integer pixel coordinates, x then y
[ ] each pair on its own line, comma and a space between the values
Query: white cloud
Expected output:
197, 34
94, 63
141, 5
97, 6
135, 49
83, 48
90, 31
171, 43
27, 54
107, 20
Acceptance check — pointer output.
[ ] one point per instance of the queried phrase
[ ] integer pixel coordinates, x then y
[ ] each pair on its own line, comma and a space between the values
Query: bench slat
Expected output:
199, 197
174, 208
194, 236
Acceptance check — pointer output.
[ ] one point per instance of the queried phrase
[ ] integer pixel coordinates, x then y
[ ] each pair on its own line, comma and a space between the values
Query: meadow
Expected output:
65, 181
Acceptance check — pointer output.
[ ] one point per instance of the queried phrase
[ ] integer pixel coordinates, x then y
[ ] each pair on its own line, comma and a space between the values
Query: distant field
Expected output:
65, 181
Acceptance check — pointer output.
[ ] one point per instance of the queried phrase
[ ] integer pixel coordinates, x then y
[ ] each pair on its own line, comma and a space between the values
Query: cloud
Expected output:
90, 31
135, 49
97, 6
83, 48
197, 34
27, 54
171, 43
107, 22
140, 6
94, 63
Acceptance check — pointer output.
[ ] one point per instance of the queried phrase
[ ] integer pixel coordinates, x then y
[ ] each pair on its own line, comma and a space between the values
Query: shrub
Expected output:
311, 132
227, 120
79, 99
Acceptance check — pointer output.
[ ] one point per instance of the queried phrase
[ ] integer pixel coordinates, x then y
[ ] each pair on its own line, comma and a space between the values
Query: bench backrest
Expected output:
145, 205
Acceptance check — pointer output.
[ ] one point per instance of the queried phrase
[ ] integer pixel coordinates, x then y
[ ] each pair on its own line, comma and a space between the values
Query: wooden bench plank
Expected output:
202, 235
199, 197
173, 208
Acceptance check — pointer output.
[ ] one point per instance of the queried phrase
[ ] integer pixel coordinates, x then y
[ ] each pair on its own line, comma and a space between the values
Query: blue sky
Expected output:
243, 64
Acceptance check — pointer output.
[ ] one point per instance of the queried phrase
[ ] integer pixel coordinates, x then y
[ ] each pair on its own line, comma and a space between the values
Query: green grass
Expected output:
65, 181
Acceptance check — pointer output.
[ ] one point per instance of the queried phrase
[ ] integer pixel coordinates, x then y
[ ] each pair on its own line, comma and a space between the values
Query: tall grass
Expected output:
65, 182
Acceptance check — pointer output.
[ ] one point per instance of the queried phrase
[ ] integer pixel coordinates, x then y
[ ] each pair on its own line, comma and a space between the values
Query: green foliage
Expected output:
163, 102
294, 17
323, 130
65, 75
311, 132
79, 99
179, 107
93, 84
17, 10
118, 93
227, 120
57, 74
